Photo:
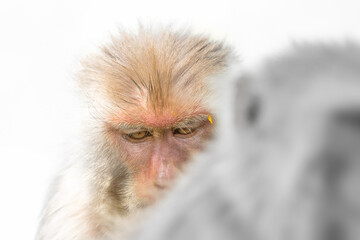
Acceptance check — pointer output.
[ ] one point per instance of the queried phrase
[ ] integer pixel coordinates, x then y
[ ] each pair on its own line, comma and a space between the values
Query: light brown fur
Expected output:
154, 71
153, 79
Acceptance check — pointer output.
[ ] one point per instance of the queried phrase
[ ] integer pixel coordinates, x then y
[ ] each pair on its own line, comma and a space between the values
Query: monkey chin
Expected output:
150, 195
149, 191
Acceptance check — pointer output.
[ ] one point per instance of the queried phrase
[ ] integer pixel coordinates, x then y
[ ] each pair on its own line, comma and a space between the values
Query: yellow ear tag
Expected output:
210, 120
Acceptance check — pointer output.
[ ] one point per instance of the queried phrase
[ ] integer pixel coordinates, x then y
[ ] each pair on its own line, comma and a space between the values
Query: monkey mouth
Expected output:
147, 200
161, 186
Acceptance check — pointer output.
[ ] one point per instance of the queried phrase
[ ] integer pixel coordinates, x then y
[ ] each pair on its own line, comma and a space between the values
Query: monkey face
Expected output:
155, 155
149, 95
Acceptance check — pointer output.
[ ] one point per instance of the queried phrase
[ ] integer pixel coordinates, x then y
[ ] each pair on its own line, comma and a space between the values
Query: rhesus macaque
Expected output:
289, 169
147, 95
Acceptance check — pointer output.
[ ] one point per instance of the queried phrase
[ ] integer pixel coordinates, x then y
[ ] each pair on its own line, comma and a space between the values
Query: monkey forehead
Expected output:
159, 66
159, 121
162, 120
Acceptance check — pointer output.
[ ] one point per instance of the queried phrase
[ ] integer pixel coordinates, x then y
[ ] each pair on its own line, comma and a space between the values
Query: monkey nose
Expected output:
162, 171
164, 174
162, 180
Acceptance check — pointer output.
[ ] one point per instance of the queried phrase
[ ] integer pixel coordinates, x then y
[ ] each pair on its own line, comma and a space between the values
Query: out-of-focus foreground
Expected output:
285, 164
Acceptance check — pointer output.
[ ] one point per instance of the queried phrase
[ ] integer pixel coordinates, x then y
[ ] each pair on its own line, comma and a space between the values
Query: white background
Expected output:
41, 43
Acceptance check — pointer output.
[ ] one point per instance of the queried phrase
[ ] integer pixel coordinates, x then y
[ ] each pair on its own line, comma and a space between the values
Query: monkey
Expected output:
285, 162
147, 95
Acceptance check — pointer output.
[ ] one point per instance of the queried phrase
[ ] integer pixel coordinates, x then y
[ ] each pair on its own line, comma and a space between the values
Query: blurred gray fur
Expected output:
285, 162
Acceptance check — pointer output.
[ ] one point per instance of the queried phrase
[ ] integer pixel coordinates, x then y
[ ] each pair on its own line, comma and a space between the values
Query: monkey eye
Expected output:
183, 131
136, 136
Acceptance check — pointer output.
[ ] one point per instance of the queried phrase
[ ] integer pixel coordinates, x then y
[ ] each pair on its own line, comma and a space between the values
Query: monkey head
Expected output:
148, 94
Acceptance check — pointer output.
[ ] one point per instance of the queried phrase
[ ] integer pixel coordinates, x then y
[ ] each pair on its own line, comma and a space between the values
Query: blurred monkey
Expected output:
289, 168
147, 95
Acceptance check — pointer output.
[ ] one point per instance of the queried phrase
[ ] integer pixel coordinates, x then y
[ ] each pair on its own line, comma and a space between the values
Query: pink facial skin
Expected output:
156, 159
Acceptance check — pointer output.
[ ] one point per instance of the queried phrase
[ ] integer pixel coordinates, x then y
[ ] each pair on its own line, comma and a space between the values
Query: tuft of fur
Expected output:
288, 167
153, 71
